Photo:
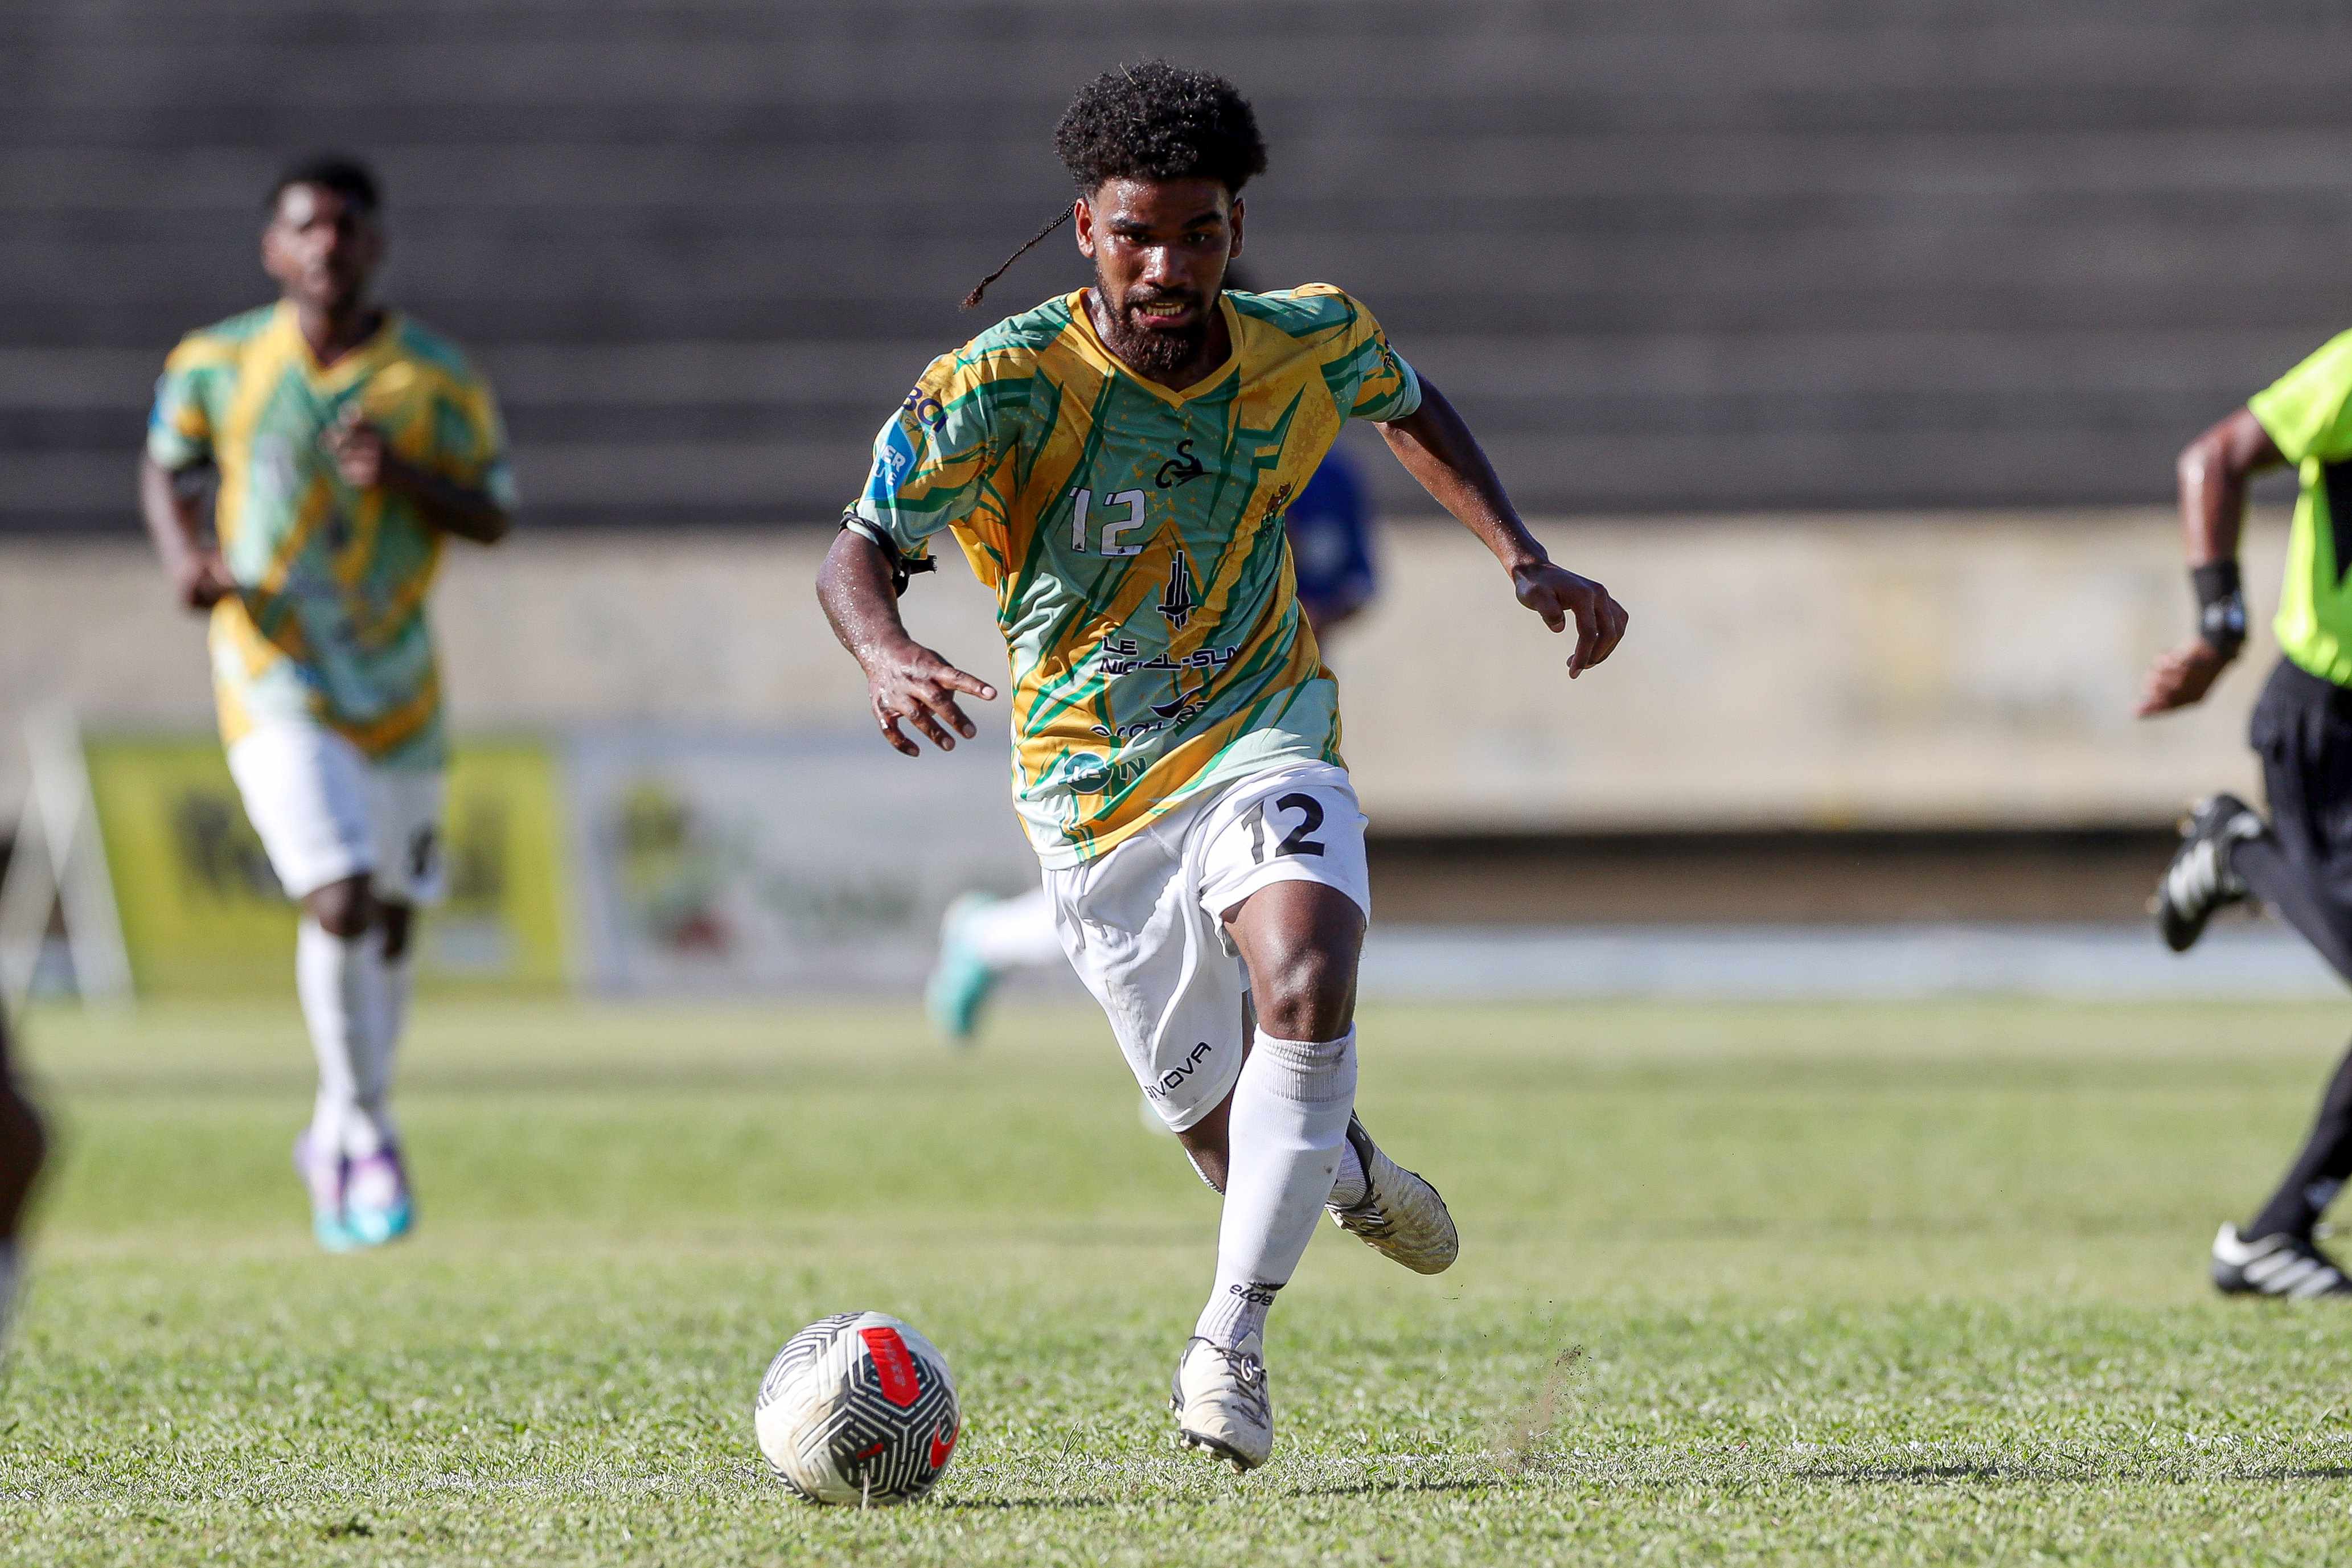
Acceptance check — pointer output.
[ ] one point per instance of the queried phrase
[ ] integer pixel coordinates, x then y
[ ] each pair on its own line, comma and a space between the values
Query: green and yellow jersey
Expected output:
1133, 534
2308, 413
329, 623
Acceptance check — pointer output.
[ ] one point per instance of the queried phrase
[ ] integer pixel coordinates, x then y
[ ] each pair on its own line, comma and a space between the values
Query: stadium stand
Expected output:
2009, 252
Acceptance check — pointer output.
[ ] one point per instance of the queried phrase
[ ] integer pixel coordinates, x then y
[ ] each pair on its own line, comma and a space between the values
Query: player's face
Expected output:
1159, 249
322, 248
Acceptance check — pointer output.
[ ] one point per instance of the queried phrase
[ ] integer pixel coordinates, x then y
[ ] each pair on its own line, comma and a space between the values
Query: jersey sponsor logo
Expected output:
1180, 470
1177, 602
893, 1366
1125, 657
925, 410
1173, 1078
892, 462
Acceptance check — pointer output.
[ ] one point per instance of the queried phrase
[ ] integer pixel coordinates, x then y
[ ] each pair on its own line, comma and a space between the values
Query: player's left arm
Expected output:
1437, 448
367, 460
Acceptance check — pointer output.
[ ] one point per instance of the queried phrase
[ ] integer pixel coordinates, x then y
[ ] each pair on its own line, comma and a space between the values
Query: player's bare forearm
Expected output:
452, 508
905, 681
2213, 473
364, 457
174, 523
1437, 448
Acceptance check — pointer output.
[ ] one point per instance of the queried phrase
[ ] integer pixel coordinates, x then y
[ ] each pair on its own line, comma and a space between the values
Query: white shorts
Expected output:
325, 813
1144, 924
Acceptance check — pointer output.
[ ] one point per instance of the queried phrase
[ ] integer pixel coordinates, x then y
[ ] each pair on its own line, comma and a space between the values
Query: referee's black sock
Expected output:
2320, 1170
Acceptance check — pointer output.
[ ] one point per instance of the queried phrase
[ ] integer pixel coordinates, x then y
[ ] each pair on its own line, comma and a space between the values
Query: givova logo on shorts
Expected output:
1173, 1078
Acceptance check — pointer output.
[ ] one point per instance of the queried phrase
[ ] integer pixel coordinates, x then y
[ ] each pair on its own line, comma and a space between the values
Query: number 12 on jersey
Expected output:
1080, 501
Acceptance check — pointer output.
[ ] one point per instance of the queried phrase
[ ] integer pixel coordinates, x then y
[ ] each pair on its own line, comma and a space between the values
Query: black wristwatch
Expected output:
2220, 606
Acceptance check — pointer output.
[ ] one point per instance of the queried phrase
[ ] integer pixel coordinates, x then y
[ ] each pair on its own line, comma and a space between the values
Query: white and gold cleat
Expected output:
1221, 1402
1402, 1216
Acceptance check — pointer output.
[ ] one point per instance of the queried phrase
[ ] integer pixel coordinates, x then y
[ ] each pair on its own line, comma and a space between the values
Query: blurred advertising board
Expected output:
780, 861
202, 913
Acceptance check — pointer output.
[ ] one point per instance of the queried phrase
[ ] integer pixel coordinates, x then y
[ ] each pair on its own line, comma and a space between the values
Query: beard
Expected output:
1152, 348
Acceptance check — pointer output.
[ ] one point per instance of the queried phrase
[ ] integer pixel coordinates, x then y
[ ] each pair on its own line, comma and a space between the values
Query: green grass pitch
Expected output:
1910, 1284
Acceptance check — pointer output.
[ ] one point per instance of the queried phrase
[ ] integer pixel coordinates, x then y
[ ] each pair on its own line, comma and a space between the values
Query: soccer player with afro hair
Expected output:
1115, 465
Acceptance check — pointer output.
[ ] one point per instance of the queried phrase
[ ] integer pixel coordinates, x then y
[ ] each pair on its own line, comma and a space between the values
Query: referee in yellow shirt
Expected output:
2300, 860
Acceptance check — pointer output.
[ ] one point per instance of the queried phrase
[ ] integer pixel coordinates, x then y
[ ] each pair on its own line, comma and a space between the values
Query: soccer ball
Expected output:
857, 1408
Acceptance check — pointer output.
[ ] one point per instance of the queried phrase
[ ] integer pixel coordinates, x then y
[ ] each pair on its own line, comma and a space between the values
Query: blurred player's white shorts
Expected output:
1144, 923
325, 812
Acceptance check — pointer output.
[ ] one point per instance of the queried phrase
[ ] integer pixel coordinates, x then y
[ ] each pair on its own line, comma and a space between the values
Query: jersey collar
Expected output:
1099, 351
369, 355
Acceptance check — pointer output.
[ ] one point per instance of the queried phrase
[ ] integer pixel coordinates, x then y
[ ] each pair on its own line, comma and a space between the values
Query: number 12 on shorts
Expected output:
1300, 839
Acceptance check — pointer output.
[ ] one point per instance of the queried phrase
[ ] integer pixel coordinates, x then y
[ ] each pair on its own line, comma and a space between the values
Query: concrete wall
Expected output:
1781, 671
1687, 257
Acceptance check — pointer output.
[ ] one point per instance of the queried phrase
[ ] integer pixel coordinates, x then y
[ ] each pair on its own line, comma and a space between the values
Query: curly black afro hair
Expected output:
1151, 121
1159, 122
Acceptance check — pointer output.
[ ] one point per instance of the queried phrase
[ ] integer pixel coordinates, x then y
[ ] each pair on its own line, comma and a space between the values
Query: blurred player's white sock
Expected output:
394, 979
1289, 1124
1014, 934
337, 980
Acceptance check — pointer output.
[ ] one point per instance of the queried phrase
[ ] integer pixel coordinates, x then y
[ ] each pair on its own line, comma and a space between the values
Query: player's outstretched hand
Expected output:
911, 683
1560, 596
2180, 678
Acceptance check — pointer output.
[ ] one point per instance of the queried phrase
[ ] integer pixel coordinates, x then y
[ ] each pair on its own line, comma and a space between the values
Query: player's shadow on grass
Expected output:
1313, 1489
1926, 1474
1396, 1489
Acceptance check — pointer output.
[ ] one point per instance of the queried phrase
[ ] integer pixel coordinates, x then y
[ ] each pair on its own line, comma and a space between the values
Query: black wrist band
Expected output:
2221, 605
2215, 580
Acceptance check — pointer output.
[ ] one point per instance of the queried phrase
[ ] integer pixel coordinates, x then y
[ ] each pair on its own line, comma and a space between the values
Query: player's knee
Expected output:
395, 921
342, 909
1309, 995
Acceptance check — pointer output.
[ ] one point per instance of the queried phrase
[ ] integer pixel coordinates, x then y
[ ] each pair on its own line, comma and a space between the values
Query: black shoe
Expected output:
2279, 1265
2200, 880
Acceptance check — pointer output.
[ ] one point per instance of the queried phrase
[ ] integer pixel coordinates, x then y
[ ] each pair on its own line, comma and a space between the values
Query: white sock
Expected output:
1289, 1122
395, 980
336, 980
1014, 934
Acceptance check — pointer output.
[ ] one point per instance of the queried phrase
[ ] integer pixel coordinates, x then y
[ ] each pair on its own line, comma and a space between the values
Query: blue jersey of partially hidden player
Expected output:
1330, 526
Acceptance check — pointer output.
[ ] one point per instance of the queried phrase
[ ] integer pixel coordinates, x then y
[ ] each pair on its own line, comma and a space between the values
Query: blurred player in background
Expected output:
1114, 464
983, 938
22, 1148
349, 441
2300, 860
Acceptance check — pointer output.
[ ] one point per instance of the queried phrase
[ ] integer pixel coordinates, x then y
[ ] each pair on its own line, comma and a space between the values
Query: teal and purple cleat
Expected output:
377, 1207
355, 1203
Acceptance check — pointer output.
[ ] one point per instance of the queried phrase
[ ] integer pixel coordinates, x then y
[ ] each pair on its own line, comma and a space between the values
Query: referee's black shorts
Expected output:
2301, 730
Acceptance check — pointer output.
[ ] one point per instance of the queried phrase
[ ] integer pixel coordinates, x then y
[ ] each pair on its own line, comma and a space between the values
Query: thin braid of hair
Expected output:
972, 298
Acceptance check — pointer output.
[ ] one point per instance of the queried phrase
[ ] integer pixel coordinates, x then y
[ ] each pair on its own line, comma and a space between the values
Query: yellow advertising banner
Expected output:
201, 911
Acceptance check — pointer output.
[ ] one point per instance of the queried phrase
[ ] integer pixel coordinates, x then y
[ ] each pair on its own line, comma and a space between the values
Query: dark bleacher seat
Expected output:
1716, 255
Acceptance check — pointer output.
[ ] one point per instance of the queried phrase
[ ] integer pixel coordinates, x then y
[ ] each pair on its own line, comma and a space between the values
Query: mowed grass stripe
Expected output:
1905, 1284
